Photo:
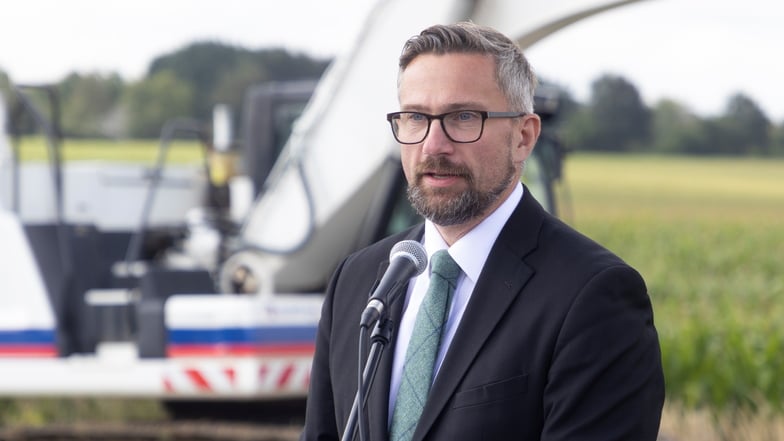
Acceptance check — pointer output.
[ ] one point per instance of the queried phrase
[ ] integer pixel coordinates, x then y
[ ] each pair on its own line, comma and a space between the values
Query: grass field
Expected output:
708, 236
179, 151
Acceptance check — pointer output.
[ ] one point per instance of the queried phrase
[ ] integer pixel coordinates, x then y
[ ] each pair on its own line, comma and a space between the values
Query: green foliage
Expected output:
221, 73
188, 82
743, 128
578, 130
615, 120
232, 85
777, 140
708, 238
151, 102
622, 118
199, 66
5, 83
90, 104
678, 130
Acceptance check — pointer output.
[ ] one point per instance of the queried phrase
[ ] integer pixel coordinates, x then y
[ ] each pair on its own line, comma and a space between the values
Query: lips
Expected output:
440, 181
441, 175
438, 172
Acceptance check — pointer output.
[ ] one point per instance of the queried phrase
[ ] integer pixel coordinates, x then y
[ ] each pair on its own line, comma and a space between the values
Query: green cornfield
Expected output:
708, 236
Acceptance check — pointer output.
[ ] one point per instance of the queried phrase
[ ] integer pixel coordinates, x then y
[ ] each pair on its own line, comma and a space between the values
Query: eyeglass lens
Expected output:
460, 126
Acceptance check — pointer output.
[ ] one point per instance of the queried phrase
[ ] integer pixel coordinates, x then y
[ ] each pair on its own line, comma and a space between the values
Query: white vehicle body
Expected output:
315, 207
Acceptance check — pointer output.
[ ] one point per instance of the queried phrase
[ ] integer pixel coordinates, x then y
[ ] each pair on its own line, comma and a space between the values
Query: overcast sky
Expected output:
696, 51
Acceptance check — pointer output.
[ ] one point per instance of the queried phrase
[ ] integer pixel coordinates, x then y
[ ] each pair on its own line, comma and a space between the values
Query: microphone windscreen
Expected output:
413, 250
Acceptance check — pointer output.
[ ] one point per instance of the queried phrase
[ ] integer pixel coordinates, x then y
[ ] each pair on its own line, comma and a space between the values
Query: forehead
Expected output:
437, 82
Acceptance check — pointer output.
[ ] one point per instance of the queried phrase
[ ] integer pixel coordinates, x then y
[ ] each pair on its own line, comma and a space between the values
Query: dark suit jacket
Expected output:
556, 343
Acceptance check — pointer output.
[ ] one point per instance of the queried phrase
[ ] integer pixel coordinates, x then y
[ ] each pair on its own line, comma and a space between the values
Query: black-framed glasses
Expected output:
462, 126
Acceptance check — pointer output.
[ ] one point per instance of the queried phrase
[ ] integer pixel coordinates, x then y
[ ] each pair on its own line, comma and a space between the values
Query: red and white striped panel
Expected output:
242, 377
285, 376
201, 379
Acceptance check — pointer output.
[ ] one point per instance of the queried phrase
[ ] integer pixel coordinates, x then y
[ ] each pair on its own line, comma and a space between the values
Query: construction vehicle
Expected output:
117, 280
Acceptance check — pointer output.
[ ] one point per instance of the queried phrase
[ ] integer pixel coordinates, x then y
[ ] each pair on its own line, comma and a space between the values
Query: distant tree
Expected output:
200, 65
568, 104
677, 130
283, 65
209, 68
578, 129
5, 83
87, 103
151, 102
232, 85
622, 120
777, 140
743, 128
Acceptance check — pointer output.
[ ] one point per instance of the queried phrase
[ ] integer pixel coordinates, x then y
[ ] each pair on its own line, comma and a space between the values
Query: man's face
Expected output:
453, 183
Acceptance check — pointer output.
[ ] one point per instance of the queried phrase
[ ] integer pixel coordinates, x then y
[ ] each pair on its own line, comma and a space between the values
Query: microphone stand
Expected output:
380, 337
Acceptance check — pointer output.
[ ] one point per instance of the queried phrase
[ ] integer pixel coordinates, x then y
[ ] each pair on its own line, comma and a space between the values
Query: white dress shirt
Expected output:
470, 253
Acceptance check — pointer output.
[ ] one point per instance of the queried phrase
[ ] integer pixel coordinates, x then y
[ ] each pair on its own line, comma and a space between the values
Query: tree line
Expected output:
615, 119
185, 83
190, 81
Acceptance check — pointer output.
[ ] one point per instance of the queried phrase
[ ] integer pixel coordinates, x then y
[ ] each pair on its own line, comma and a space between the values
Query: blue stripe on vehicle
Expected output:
267, 334
27, 336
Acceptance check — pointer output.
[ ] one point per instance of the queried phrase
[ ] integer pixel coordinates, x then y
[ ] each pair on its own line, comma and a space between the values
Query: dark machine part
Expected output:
270, 110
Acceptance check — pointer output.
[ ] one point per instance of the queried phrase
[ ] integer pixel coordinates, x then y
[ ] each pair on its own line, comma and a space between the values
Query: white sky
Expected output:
696, 51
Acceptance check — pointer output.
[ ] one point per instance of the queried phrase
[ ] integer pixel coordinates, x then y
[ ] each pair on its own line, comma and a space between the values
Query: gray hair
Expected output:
514, 74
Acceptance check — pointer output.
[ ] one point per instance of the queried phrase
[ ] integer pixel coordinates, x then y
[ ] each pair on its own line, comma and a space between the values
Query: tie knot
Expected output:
446, 267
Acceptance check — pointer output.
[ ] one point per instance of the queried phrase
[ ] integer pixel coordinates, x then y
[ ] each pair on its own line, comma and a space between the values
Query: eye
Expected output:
415, 117
464, 116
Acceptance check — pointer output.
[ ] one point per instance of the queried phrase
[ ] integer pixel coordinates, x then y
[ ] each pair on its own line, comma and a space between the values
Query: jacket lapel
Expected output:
502, 279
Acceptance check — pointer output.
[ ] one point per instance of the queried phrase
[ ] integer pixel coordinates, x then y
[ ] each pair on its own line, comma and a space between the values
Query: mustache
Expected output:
441, 166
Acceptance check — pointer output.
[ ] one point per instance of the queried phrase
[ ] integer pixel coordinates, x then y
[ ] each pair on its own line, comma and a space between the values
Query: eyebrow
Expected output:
449, 108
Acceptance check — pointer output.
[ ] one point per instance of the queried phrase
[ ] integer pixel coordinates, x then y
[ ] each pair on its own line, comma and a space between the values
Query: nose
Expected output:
436, 142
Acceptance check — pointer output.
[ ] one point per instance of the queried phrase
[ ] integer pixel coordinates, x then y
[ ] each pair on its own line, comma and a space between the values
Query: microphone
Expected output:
406, 260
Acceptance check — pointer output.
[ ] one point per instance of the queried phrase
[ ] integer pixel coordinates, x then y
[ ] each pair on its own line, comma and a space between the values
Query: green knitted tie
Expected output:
420, 360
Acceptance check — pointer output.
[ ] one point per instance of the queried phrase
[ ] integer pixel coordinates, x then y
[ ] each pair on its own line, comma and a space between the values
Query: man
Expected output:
548, 335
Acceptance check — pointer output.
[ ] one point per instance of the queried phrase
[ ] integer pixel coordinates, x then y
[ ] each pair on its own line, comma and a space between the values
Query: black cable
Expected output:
170, 128
362, 422
53, 139
52, 143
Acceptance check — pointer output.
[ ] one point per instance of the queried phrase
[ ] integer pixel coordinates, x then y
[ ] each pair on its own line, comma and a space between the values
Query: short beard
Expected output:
470, 204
